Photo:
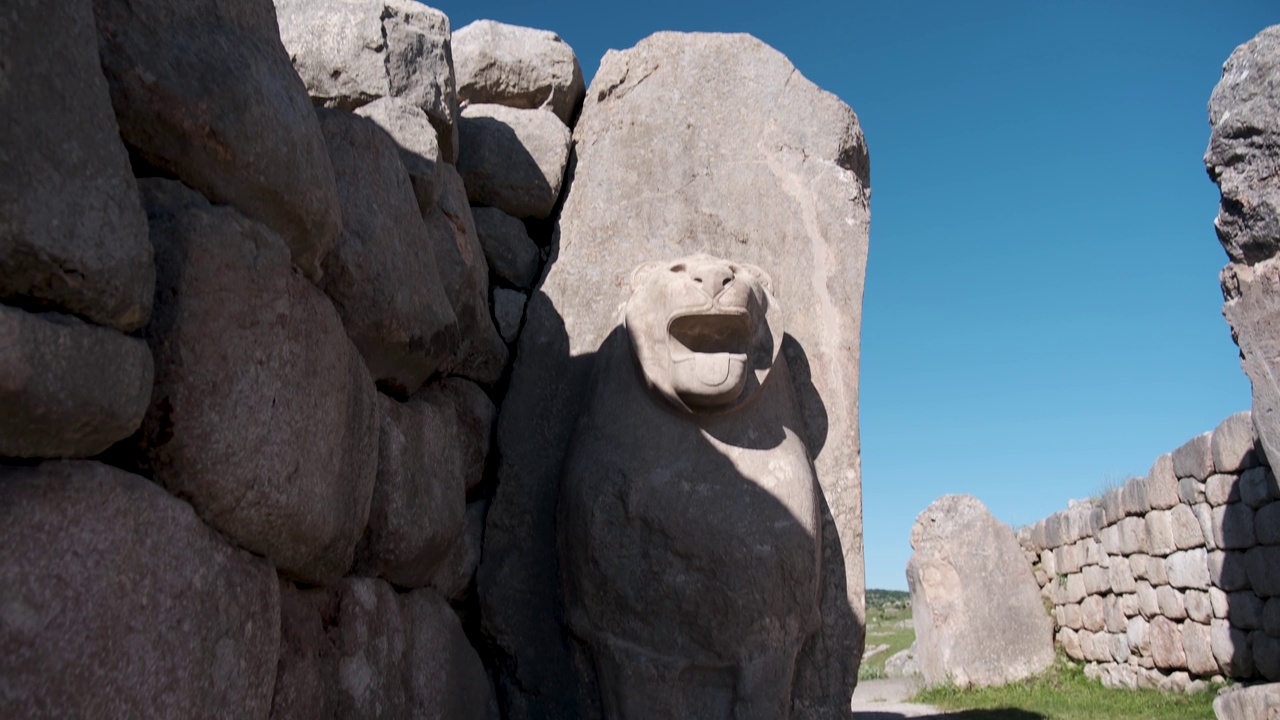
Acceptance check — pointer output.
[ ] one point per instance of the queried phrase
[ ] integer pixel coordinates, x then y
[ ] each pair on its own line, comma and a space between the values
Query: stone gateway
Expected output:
689, 530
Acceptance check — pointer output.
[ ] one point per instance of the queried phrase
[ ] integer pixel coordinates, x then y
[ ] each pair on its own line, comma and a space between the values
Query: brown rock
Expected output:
204, 90
119, 602
68, 389
382, 274
358, 649
263, 414
72, 233
431, 450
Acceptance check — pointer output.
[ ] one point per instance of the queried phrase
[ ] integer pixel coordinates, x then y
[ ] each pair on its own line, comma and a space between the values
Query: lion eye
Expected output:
677, 268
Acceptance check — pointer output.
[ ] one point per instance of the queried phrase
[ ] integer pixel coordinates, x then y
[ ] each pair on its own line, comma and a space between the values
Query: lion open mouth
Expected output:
716, 344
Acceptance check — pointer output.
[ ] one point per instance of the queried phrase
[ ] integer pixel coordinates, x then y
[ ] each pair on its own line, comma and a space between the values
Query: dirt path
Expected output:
885, 700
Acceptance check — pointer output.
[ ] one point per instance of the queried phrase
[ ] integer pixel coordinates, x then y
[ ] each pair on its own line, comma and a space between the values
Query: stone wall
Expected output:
254, 339
1173, 578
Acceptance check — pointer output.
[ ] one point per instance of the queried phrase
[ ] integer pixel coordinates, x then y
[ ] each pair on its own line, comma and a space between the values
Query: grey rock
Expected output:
430, 450
1199, 606
1096, 580
1148, 599
1263, 565
1091, 615
1266, 654
119, 602
1165, 637
1194, 458
358, 649
1069, 640
1113, 505
1233, 527
1244, 112
454, 575
1266, 524
69, 389
1258, 487
903, 663
349, 53
1204, 516
1120, 576
1186, 528
963, 557
508, 311
1197, 646
481, 355
1134, 497
204, 90
263, 414
511, 254
1220, 601
410, 127
1221, 489
73, 236
518, 67
767, 134
1159, 533
1247, 702
1188, 569
1162, 484
1244, 610
1271, 616
1191, 491
1136, 635
1228, 570
1230, 647
1252, 295
382, 274
513, 159
1133, 535
1234, 444
1172, 604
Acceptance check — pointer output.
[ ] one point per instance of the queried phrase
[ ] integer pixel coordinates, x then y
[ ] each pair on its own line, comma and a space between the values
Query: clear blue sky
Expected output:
1042, 313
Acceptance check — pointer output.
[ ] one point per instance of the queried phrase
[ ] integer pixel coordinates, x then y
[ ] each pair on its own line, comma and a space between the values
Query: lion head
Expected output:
705, 331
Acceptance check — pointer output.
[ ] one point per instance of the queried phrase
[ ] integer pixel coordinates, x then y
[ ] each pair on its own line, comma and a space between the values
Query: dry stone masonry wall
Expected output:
1174, 578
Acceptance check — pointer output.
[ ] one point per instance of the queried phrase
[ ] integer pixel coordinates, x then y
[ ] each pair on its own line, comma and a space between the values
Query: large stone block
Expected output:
431, 449
1234, 444
518, 67
454, 575
1165, 637
1194, 458
481, 355
263, 414
1247, 702
1244, 112
511, 254
1252, 294
1266, 654
382, 274
1263, 565
963, 557
68, 389
410, 127
1162, 484
352, 52
119, 602
1233, 526
203, 90
1266, 524
1258, 487
1197, 647
512, 159
358, 649
768, 133
1186, 528
1230, 647
72, 233
1188, 569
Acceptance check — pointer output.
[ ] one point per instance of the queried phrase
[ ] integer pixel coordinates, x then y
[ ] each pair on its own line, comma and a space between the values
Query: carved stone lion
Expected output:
689, 522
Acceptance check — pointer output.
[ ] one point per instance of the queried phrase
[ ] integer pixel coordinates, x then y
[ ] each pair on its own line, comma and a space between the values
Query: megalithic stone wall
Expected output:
270, 338
1172, 579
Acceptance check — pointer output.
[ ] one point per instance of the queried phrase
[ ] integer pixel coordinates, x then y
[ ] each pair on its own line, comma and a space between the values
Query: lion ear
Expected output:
763, 277
642, 273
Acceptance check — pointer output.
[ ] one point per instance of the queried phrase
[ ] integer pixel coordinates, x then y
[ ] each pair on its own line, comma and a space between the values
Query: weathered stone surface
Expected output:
508, 311
430, 450
1230, 647
358, 649
1091, 615
1271, 616
1191, 491
1247, 702
513, 159
1233, 526
1244, 610
1165, 637
1186, 528
963, 557
1136, 635
1133, 495
481, 355
511, 254
1188, 569
1233, 444
518, 67
382, 274
1114, 616
119, 602
1196, 646
1266, 654
454, 575
352, 52
1194, 458
1220, 601
1263, 566
1162, 484
1069, 640
1221, 489
1228, 570
1252, 295
1159, 533
263, 414
657, 578
903, 663
72, 233
1113, 505
204, 90
1266, 524
67, 388
1096, 580
1133, 535
1244, 112
1258, 487
721, 144
416, 138
1204, 516
1172, 604
1199, 606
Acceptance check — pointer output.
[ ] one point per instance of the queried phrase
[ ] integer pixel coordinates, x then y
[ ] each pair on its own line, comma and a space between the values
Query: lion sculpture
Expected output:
689, 530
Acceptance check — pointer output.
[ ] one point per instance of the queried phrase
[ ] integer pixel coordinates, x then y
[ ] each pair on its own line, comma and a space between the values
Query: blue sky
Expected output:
1042, 313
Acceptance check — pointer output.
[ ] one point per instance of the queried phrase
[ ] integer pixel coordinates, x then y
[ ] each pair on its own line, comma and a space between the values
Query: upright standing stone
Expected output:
72, 233
771, 170
976, 607
116, 601
203, 89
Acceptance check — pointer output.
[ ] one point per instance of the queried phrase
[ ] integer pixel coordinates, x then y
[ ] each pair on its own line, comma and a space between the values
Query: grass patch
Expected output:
1064, 693
889, 630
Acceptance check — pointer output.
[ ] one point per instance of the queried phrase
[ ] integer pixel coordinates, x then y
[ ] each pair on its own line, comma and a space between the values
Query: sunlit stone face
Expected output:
706, 331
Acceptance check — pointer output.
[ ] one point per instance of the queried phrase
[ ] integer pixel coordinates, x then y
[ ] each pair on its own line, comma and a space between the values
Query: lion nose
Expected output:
713, 279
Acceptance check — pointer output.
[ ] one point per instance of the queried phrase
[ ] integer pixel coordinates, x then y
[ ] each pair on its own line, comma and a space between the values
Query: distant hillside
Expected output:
880, 598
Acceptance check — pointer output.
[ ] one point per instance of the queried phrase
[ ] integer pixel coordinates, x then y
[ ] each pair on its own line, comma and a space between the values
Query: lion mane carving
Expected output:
689, 532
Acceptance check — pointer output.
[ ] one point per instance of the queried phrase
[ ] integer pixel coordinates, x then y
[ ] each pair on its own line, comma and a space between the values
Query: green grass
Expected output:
1064, 693
888, 623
